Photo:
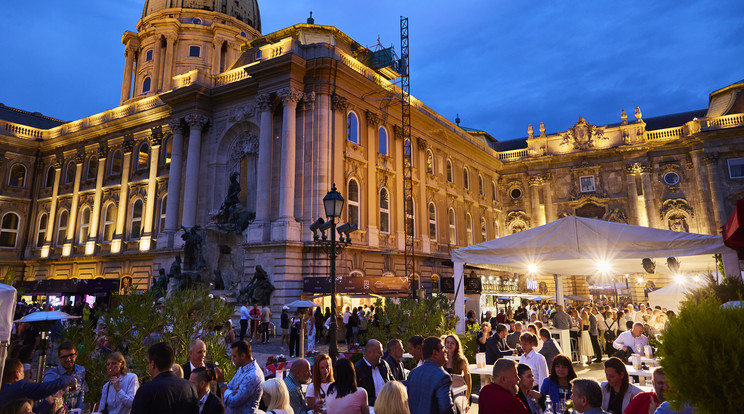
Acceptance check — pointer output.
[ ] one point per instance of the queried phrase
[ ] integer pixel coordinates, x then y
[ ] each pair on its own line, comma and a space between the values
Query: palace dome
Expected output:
243, 10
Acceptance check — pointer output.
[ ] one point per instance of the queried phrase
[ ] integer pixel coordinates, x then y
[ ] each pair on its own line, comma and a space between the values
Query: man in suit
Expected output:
394, 359
208, 402
429, 386
372, 371
197, 355
550, 348
513, 338
496, 346
165, 393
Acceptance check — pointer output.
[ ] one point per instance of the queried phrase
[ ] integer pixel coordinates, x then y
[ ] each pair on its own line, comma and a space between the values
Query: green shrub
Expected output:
700, 353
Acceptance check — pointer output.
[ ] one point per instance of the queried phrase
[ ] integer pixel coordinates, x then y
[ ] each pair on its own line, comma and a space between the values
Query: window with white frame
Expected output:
353, 194
384, 211
432, 222
484, 232
70, 172
352, 127
410, 216
466, 178
146, 85
163, 206
450, 177
429, 162
91, 168
452, 228
17, 176
41, 229
84, 227
736, 167
135, 224
382, 141
469, 228
64, 218
143, 154
9, 226
108, 222
117, 160
481, 187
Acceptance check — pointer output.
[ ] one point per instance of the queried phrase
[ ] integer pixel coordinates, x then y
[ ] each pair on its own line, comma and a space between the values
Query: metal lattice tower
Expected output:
405, 103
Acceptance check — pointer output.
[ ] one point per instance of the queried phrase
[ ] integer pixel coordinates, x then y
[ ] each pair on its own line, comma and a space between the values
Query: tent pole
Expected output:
731, 263
459, 296
558, 288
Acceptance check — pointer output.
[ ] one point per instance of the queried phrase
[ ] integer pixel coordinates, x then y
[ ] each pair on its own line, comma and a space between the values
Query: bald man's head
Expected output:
197, 353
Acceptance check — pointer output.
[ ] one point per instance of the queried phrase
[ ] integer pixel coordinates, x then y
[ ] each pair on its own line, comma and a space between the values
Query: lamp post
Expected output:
333, 203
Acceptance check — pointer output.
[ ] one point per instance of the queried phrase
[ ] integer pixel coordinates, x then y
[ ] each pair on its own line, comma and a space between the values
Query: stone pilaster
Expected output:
173, 202
287, 228
258, 229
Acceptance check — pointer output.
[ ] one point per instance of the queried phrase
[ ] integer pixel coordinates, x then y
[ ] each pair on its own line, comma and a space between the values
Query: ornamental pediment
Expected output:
582, 136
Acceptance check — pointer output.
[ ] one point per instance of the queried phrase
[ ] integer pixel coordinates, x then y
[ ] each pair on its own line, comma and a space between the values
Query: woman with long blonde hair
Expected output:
457, 364
276, 397
392, 399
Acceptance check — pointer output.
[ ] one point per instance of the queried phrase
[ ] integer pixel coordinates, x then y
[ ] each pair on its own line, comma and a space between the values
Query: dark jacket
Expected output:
549, 350
496, 348
512, 340
364, 378
213, 386
28, 389
213, 405
397, 370
166, 394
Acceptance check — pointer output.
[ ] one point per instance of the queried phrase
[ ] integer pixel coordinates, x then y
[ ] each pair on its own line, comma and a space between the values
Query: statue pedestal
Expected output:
257, 232
285, 229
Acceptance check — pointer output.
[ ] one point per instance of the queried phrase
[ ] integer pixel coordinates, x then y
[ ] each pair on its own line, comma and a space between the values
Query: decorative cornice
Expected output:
79, 157
241, 113
290, 96
638, 168
536, 180
264, 102
156, 136
308, 101
372, 118
421, 143
128, 144
59, 161
177, 126
197, 121
397, 132
339, 103
710, 158
676, 204
102, 151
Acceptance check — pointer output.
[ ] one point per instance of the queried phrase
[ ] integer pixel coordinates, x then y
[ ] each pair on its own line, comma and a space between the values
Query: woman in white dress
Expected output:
310, 329
585, 342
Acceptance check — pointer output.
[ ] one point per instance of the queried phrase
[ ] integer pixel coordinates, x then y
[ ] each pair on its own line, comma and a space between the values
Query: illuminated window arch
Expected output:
117, 160
411, 216
143, 155
450, 177
146, 85
50, 174
356, 273
135, 223
64, 219
352, 127
481, 187
382, 141
108, 223
353, 195
429, 162
484, 231
70, 172
91, 168
432, 222
469, 229
9, 226
466, 178
384, 211
41, 229
168, 149
84, 226
493, 191
17, 176
163, 206
451, 220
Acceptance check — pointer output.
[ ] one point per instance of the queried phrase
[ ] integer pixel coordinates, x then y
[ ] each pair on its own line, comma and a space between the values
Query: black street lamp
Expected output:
333, 203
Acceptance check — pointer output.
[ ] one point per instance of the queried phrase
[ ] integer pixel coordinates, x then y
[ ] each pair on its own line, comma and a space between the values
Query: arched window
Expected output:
84, 227
17, 176
143, 154
9, 229
163, 205
384, 211
146, 85
64, 218
352, 127
117, 159
432, 222
91, 167
481, 187
429, 162
452, 228
450, 178
356, 273
407, 152
469, 229
466, 178
353, 194
109, 222
493, 191
484, 232
49, 180
168, 149
135, 226
382, 141
70, 172
410, 216
41, 229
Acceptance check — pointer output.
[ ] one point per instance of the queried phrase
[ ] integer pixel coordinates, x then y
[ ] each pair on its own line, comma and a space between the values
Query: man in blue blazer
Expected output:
429, 386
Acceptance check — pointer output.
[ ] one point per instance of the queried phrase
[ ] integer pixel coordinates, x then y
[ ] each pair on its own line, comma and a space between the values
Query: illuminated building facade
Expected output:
205, 94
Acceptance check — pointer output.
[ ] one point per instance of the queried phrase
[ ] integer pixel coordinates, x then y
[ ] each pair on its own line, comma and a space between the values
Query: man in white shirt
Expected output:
633, 340
637, 317
244, 317
372, 371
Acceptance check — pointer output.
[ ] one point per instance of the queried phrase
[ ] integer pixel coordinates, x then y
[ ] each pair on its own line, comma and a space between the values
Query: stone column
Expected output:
370, 204
72, 223
90, 245
170, 40
126, 86
156, 138
339, 105
397, 204
286, 227
156, 68
121, 219
636, 213
648, 195
534, 183
550, 214
707, 221
196, 124
323, 177
173, 202
711, 164
48, 236
422, 213
217, 49
257, 230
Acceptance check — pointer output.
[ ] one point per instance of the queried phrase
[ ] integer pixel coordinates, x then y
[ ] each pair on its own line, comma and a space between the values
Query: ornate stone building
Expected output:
204, 95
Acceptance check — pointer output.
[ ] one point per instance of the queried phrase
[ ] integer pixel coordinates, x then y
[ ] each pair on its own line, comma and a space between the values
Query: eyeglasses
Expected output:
74, 354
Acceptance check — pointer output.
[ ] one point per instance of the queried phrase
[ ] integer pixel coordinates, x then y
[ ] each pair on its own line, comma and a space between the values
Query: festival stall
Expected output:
7, 311
581, 246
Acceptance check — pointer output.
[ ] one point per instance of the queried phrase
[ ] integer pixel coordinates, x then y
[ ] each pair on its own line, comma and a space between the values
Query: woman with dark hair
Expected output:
457, 364
321, 380
617, 391
343, 395
558, 384
19, 406
533, 400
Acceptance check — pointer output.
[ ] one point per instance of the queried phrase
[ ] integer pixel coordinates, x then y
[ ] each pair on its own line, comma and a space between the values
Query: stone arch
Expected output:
237, 152
677, 214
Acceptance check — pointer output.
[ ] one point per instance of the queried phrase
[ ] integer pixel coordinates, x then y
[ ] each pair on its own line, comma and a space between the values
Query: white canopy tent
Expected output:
576, 245
7, 311
670, 295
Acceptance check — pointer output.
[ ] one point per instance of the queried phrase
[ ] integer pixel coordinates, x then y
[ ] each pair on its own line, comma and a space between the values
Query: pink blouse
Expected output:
349, 404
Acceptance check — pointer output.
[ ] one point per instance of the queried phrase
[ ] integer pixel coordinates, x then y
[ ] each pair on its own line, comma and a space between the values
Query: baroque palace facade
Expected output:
205, 94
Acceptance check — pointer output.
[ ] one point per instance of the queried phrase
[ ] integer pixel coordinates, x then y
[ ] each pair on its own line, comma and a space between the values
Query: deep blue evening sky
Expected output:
500, 64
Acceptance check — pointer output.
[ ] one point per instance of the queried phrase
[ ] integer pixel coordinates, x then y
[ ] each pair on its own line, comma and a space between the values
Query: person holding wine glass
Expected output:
321, 379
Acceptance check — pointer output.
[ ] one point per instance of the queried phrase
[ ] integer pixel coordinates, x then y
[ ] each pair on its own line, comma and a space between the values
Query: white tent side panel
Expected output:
670, 296
7, 310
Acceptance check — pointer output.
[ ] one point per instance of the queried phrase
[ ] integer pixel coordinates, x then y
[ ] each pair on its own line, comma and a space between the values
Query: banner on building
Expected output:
378, 285
472, 285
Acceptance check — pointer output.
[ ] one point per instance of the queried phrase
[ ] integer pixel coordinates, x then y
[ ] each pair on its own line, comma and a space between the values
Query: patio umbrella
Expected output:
302, 304
44, 321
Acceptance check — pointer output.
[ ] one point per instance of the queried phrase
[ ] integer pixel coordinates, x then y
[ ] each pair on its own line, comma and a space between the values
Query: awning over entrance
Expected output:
67, 286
